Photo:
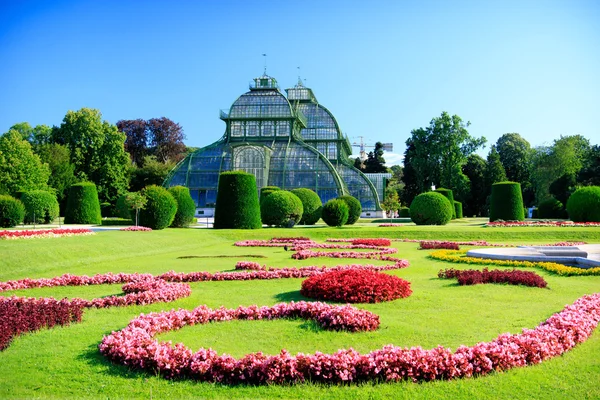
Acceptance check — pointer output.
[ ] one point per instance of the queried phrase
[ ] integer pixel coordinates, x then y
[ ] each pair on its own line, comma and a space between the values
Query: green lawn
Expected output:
64, 362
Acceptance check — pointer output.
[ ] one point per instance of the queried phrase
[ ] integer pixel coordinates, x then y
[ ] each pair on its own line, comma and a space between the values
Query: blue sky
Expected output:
382, 67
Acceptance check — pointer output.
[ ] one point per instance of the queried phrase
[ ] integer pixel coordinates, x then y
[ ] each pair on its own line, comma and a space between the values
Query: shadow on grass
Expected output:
224, 256
93, 357
293, 295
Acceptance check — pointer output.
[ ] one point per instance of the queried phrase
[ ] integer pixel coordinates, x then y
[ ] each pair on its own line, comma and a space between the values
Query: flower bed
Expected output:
389, 225
43, 233
501, 224
355, 286
135, 347
136, 229
431, 245
474, 277
559, 269
372, 242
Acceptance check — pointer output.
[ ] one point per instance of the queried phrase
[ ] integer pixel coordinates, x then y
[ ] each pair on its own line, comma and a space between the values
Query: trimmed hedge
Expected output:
42, 204
12, 211
506, 202
160, 209
281, 208
267, 190
335, 212
312, 204
186, 207
450, 196
354, 208
551, 209
458, 209
584, 204
404, 212
237, 202
83, 206
431, 208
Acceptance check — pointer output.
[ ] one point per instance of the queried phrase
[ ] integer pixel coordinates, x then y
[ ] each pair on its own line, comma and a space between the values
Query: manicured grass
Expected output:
65, 362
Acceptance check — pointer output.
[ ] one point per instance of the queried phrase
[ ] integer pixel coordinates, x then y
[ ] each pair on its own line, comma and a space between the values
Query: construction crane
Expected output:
362, 145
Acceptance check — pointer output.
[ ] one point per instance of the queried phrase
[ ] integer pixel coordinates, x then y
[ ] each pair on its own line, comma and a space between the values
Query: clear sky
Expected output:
382, 67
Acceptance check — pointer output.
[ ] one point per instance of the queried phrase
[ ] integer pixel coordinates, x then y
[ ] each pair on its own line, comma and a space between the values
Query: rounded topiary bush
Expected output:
458, 209
355, 286
312, 205
267, 190
160, 208
450, 196
12, 211
83, 206
506, 202
41, 204
551, 209
281, 208
186, 207
584, 204
237, 202
335, 212
354, 208
404, 212
431, 208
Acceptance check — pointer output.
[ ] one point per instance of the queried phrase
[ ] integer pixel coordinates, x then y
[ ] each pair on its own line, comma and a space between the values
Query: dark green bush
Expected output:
106, 210
83, 206
267, 190
534, 213
404, 212
186, 207
40, 203
354, 208
551, 209
281, 208
335, 212
160, 209
237, 202
450, 196
312, 205
12, 211
122, 210
584, 204
506, 202
431, 208
458, 209
116, 221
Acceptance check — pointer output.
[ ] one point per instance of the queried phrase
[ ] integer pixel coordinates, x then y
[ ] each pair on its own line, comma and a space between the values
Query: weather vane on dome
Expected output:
265, 56
299, 79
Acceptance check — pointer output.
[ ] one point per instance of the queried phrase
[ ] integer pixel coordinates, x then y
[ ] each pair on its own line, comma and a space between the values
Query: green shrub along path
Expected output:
64, 362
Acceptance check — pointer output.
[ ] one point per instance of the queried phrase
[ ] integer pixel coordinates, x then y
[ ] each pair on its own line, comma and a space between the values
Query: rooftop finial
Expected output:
299, 79
265, 56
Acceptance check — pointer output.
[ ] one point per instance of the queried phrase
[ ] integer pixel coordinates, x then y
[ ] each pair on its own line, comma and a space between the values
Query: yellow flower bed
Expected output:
460, 256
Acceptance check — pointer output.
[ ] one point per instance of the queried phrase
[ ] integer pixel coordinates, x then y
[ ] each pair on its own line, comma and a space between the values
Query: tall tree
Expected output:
412, 187
166, 138
494, 171
515, 155
375, 162
39, 134
136, 142
475, 202
589, 175
152, 173
20, 168
62, 172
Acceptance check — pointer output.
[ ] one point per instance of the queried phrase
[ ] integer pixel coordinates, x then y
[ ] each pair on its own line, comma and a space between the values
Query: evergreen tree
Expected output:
494, 171
375, 162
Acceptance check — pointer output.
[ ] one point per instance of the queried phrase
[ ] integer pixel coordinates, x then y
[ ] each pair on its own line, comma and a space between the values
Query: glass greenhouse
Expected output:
290, 142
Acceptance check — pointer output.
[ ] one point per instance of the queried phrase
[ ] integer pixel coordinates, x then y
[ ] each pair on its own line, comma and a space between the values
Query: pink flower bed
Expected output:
355, 286
389, 225
474, 277
136, 229
43, 233
428, 245
541, 223
372, 242
135, 347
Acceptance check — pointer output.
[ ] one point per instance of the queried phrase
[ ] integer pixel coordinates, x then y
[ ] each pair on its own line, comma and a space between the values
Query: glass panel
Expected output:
268, 128
283, 128
252, 128
237, 128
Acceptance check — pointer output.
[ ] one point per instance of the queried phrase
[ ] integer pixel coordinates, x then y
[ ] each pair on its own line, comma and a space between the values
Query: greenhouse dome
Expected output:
290, 142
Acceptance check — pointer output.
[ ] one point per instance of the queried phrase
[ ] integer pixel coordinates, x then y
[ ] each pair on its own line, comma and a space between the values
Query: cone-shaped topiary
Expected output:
551, 209
584, 204
267, 190
311, 202
281, 208
431, 208
186, 207
450, 196
160, 209
237, 202
12, 211
506, 202
41, 204
458, 209
83, 206
354, 208
335, 212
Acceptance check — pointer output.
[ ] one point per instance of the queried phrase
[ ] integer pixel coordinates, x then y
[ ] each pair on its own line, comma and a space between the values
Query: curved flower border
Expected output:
134, 346
44, 233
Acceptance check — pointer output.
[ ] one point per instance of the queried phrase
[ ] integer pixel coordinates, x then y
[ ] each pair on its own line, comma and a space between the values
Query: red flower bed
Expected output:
474, 277
429, 245
372, 242
20, 315
355, 286
136, 229
39, 233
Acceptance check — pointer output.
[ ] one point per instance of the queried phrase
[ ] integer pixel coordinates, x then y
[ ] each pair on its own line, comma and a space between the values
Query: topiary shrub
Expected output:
404, 212
83, 206
41, 204
267, 190
12, 211
354, 208
506, 202
450, 196
431, 208
160, 208
584, 204
281, 208
237, 202
186, 207
458, 209
335, 212
312, 205
551, 209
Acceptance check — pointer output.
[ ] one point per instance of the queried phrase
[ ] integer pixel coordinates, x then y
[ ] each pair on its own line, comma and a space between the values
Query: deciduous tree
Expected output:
166, 138
20, 168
